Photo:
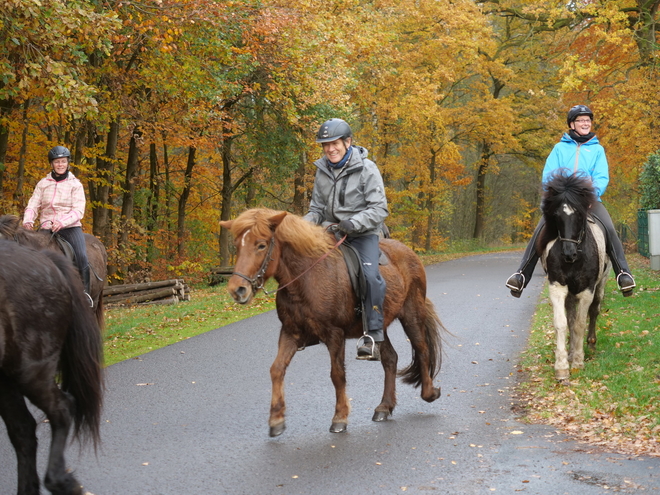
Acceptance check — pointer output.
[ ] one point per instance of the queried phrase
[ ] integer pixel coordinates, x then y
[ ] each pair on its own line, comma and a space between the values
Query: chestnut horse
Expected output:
315, 302
574, 256
50, 353
11, 229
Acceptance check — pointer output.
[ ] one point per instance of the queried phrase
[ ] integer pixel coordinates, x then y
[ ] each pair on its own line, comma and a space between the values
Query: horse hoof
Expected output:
277, 430
380, 416
338, 428
434, 396
561, 375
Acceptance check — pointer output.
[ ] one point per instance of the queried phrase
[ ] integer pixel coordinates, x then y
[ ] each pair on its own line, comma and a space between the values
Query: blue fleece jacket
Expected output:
588, 158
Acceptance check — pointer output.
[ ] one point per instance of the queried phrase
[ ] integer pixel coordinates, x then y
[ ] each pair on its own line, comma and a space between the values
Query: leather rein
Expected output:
259, 280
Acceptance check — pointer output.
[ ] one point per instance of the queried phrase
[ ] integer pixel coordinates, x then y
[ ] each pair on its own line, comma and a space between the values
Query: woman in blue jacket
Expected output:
579, 151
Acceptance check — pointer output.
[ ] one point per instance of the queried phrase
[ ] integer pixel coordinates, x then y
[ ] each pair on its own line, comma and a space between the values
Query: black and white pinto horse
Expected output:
573, 247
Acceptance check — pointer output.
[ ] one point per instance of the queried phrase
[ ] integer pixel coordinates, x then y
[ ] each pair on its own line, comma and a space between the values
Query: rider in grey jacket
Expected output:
349, 191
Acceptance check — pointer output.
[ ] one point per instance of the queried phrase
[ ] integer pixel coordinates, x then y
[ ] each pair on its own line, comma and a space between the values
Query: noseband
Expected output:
259, 280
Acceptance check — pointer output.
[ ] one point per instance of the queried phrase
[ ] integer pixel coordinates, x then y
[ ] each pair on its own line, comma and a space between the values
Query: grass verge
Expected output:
612, 402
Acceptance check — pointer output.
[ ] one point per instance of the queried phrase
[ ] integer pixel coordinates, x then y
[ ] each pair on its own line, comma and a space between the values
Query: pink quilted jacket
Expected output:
52, 201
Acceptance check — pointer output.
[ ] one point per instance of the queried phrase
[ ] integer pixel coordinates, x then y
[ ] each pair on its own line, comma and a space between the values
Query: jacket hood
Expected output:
566, 138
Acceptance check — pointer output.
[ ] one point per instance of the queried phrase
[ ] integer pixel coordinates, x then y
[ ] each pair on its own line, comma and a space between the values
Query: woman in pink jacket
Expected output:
59, 202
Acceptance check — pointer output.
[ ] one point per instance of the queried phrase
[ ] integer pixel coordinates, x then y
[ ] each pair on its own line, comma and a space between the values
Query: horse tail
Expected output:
81, 361
432, 359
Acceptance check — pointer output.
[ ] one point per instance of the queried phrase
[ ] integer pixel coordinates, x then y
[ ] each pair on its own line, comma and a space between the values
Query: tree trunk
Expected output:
183, 199
481, 191
20, 174
99, 192
299, 203
226, 194
6, 107
152, 202
430, 202
128, 199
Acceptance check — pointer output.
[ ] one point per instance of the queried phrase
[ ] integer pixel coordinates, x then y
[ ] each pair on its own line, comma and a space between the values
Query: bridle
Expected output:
259, 280
580, 238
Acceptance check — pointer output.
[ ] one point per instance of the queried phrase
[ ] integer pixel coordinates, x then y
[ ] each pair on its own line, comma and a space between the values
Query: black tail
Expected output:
432, 326
81, 361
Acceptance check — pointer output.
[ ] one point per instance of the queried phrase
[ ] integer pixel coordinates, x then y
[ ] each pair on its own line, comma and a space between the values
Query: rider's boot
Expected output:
369, 349
519, 280
86, 283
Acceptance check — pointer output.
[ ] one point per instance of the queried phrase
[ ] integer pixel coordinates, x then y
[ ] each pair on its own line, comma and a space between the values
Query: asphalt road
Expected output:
192, 418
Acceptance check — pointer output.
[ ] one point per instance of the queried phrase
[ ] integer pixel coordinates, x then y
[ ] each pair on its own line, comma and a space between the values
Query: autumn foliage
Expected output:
183, 113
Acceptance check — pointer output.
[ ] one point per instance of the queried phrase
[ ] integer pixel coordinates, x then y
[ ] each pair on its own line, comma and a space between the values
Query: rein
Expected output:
258, 281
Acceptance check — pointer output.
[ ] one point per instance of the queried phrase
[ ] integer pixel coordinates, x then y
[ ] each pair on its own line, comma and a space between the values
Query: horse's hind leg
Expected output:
286, 349
594, 311
57, 406
21, 428
389, 359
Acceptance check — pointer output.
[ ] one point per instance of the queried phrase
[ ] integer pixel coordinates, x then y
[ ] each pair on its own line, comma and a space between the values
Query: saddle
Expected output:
358, 282
66, 247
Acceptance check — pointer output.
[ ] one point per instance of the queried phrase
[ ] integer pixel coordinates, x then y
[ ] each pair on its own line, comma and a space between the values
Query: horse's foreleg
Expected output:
389, 359
558, 294
21, 428
286, 349
578, 326
336, 347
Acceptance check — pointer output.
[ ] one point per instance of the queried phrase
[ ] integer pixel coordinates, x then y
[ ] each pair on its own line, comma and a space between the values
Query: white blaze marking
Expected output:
568, 210
243, 238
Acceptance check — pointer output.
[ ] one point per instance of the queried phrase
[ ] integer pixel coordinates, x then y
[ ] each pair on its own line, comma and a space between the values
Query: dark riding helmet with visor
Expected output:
578, 110
58, 152
333, 129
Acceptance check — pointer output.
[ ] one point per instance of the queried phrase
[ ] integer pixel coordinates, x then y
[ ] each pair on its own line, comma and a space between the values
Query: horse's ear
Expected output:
275, 220
226, 224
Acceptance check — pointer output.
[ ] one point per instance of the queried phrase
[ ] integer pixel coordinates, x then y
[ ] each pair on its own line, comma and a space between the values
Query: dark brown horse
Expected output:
316, 302
48, 335
11, 229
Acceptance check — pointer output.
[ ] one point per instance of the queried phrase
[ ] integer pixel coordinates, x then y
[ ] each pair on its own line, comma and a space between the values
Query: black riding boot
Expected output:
519, 280
85, 275
614, 248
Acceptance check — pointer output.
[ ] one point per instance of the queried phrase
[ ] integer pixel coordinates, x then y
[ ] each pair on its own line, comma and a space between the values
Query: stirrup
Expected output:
627, 288
513, 287
373, 354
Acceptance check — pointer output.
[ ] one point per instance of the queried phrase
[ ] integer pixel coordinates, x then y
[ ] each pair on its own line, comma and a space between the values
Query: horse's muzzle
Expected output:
241, 293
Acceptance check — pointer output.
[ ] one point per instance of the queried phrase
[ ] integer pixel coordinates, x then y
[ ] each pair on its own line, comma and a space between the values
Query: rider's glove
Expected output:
346, 226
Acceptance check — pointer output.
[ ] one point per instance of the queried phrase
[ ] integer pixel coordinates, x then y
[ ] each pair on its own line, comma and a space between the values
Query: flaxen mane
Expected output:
304, 237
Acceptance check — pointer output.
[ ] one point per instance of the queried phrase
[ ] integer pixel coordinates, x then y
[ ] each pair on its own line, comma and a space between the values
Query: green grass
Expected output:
136, 330
613, 400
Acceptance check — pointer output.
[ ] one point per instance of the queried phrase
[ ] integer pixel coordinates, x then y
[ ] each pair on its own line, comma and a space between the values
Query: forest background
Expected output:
181, 113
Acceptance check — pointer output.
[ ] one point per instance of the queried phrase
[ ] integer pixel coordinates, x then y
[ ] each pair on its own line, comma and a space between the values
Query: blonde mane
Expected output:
304, 237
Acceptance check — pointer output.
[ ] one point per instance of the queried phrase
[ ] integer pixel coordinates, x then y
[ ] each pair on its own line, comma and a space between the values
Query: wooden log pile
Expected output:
220, 274
163, 292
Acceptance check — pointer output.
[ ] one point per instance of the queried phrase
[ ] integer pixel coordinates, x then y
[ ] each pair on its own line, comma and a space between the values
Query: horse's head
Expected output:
566, 201
256, 260
8, 226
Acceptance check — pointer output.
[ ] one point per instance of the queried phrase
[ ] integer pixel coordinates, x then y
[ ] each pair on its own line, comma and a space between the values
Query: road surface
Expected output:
192, 418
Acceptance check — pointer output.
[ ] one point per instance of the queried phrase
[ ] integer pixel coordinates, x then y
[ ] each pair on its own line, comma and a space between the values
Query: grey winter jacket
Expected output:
356, 194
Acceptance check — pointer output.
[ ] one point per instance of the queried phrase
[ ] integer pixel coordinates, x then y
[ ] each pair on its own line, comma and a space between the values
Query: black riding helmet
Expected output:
333, 129
58, 152
576, 111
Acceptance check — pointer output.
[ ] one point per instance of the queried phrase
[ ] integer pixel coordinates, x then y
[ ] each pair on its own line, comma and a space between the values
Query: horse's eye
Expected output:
261, 246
